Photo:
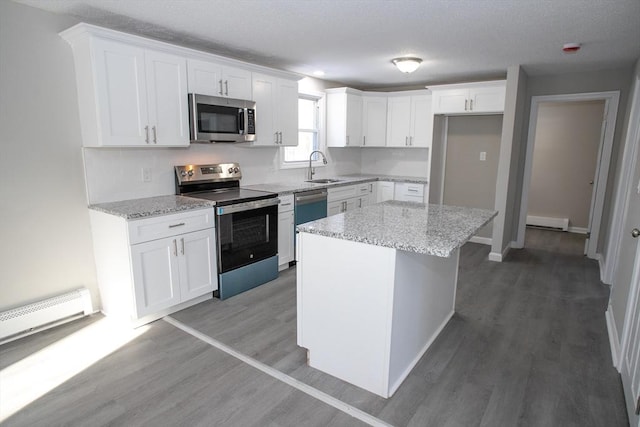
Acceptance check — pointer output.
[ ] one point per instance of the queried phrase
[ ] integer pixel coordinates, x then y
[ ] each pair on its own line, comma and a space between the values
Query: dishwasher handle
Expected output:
304, 198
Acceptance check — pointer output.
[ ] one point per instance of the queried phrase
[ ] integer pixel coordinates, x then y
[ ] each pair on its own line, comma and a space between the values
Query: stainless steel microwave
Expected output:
218, 119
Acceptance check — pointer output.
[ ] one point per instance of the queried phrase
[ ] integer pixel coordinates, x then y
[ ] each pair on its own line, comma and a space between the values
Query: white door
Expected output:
197, 260
236, 83
354, 120
421, 121
488, 99
167, 99
155, 275
450, 101
264, 94
374, 121
627, 284
204, 78
121, 93
285, 237
287, 112
398, 121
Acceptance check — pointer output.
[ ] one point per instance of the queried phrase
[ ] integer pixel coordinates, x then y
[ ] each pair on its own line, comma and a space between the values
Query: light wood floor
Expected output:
527, 346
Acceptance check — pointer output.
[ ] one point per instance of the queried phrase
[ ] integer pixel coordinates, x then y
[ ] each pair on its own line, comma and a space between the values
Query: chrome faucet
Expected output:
311, 171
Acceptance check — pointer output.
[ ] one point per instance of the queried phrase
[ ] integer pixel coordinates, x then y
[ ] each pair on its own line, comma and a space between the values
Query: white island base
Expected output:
367, 313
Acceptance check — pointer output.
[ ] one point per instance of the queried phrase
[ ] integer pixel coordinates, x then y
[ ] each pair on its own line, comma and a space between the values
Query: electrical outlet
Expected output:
146, 174
483, 156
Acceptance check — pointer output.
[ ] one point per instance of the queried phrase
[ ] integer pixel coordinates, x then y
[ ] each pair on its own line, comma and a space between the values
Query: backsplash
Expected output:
114, 174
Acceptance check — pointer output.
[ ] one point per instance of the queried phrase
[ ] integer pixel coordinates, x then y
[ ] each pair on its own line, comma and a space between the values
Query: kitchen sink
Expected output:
323, 181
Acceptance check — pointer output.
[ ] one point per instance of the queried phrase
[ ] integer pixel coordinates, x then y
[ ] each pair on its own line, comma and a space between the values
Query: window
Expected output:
310, 132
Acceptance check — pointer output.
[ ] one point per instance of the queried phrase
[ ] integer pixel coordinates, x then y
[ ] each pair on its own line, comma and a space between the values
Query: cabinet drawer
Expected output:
144, 230
286, 203
365, 189
407, 189
341, 193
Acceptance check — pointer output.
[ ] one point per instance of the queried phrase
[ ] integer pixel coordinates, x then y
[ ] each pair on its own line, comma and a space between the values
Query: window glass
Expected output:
308, 131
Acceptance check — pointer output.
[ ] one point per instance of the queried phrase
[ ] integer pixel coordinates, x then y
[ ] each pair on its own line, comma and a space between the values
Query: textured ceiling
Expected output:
353, 41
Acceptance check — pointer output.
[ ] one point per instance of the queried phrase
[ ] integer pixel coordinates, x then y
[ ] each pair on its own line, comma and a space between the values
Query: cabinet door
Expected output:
398, 121
287, 112
204, 78
354, 120
236, 83
421, 122
286, 235
374, 121
167, 99
384, 191
197, 261
351, 204
264, 94
121, 94
155, 275
450, 101
488, 99
334, 208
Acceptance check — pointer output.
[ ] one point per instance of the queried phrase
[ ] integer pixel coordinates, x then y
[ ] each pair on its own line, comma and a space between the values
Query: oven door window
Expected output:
246, 237
218, 119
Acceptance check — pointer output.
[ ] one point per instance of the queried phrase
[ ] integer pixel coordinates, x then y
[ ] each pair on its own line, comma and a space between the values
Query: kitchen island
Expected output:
375, 287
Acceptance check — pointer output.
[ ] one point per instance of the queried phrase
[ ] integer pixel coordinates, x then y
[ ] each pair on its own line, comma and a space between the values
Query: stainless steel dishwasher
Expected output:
310, 205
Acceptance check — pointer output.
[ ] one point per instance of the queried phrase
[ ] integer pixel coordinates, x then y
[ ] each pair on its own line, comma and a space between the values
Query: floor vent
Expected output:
543, 221
43, 313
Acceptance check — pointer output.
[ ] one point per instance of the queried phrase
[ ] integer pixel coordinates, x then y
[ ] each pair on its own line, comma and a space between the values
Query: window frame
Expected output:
320, 98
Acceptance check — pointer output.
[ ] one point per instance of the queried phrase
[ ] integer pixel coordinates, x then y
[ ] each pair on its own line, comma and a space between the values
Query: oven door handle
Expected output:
241, 207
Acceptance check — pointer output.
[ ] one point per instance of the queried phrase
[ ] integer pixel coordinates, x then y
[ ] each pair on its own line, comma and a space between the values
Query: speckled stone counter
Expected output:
150, 206
284, 188
427, 229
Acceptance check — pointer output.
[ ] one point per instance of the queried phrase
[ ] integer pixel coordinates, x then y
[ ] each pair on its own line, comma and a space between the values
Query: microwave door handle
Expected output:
242, 120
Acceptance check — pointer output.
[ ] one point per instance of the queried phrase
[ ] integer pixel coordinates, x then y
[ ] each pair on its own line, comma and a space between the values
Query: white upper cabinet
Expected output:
344, 117
209, 78
409, 121
469, 98
276, 110
130, 96
374, 121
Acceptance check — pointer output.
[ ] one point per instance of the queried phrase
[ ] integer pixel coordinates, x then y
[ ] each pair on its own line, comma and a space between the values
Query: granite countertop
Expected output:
414, 227
151, 206
283, 188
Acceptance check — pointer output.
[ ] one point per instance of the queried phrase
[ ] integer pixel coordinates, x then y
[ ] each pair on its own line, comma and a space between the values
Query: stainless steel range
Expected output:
246, 225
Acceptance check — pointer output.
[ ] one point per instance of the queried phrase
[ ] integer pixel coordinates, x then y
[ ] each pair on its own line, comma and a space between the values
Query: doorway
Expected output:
565, 180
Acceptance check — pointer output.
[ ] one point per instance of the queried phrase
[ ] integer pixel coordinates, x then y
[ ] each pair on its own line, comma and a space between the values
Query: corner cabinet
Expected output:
210, 78
409, 121
148, 268
276, 110
469, 98
129, 96
344, 117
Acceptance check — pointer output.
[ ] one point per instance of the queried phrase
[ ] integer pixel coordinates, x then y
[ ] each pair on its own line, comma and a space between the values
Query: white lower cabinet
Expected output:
346, 198
286, 231
384, 191
151, 267
409, 192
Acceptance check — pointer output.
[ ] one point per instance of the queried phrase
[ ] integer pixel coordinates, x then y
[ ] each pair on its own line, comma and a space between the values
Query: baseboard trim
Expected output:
577, 230
614, 342
481, 240
602, 265
499, 257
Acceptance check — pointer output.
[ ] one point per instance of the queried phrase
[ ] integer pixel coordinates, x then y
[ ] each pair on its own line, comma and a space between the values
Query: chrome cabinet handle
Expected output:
146, 131
176, 225
280, 133
155, 136
635, 233
471, 105
175, 248
182, 243
364, 140
347, 139
275, 138
406, 140
226, 87
466, 102
220, 81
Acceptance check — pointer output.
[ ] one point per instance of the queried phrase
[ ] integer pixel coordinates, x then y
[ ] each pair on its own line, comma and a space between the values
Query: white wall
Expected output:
395, 161
46, 244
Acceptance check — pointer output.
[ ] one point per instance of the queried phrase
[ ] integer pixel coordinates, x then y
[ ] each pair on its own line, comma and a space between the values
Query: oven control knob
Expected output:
183, 174
236, 169
230, 170
190, 173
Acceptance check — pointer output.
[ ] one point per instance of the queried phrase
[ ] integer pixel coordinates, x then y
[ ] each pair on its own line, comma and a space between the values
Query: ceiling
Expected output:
353, 41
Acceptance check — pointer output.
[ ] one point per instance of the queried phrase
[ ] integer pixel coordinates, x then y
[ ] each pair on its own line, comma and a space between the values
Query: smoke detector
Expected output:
571, 47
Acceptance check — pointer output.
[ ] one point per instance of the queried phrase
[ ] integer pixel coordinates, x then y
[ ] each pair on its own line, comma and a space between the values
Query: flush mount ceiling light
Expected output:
407, 65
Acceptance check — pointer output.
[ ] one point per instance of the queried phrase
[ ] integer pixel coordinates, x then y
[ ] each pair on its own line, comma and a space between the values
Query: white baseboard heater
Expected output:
48, 312
543, 221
